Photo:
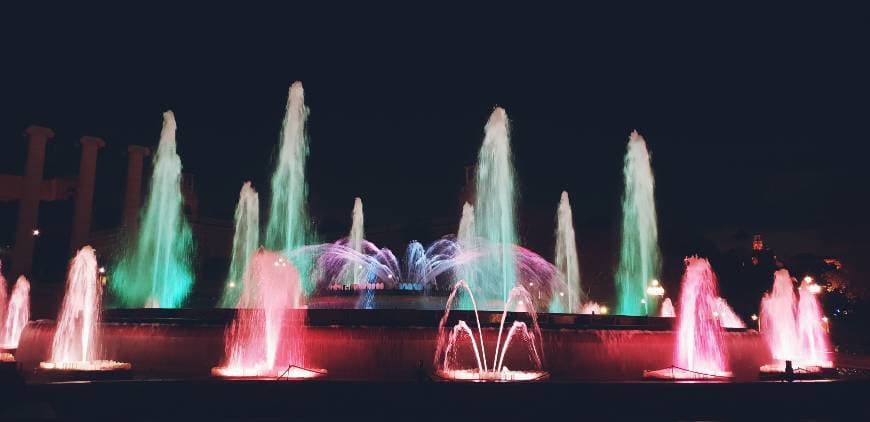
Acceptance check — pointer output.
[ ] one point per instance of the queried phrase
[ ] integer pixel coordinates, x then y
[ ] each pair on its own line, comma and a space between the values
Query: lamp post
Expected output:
757, 322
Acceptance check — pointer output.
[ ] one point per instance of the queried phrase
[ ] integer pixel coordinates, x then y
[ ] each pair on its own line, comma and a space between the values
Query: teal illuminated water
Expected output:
567, 260
155, 270
494, 214
246, 240
289, 226
639, 258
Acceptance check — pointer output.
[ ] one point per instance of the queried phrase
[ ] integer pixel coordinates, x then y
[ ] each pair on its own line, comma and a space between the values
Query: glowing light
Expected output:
102, 270
808, 280
814, 288
754, 317
603, 309
36, 232
562, 294
655, 282
231, 284
825, 319
643, 301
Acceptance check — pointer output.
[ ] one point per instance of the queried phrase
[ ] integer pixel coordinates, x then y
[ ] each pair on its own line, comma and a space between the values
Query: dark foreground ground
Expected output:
269, 400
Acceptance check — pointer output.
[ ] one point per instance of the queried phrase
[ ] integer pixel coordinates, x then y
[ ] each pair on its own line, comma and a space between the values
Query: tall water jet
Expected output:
566, 254
289, 226
355, 240
17, 314
792, 326
700, 345
246, 239
494, 219
778, 323
814, 343
465, 233
639, 258
157, 271
76, 339
265, 339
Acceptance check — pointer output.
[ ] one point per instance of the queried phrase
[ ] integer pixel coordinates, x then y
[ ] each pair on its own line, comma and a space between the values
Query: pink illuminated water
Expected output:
793, 327
778, 322
75, 344
17, 314
815, 347
668, 309
700, 347
727, 317
461, 355
265, 338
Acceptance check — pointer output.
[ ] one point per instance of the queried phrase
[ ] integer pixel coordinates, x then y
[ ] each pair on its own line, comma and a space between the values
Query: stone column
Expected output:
28, 206
133, 193
85, 192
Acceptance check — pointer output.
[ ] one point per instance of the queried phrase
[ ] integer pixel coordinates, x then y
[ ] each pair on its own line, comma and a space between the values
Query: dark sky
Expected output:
755, 115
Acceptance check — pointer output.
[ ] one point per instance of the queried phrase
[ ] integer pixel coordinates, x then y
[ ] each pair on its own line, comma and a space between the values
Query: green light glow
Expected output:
156, 271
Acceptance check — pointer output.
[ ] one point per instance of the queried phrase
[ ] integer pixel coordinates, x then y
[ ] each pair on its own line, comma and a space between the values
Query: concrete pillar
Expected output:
133, 193
85, 192
28, 206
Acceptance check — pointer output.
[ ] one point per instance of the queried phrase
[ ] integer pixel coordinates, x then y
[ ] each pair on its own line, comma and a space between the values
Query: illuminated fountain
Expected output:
566, 257
639, 257
156, 271
593, 308
266, 338
700, 348
727, 317
246, 239
792, 326
75, 346
460, 354
494, 275
668, 309
17, 314
289, 227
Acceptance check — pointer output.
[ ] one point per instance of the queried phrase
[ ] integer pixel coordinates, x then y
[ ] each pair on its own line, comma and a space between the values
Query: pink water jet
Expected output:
792, 326
668, 309
75, 346
265, 338
727, 317
700, 347
17, 314
454, 346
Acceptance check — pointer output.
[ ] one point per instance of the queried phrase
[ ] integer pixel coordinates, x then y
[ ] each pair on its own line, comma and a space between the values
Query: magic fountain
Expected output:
76, 344
265, 338
700, 347
453, 348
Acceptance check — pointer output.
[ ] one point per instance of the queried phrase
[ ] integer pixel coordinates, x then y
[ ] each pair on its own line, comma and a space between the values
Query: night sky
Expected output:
755, 116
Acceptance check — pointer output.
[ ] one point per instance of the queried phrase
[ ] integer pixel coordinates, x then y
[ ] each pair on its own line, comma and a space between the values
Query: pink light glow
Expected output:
17, 314
700, 349
76, 338
700, 345
262, 341
794, 328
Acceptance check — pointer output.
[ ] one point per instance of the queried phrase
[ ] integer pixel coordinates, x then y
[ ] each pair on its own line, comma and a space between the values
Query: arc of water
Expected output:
460, 327
450, 300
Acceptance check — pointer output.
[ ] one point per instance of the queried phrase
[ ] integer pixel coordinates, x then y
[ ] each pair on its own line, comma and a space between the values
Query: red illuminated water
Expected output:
793, 326
265, 338
700, 348
17, 314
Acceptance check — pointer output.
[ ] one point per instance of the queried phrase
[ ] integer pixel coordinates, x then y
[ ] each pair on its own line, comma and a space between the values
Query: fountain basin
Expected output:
679, 374
505, 375
288, 373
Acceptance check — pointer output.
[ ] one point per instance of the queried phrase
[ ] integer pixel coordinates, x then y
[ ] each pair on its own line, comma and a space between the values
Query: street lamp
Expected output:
757, 322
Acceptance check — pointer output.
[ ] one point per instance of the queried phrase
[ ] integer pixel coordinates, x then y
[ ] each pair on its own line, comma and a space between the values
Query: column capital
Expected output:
138, 150
92, 141
34, 131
